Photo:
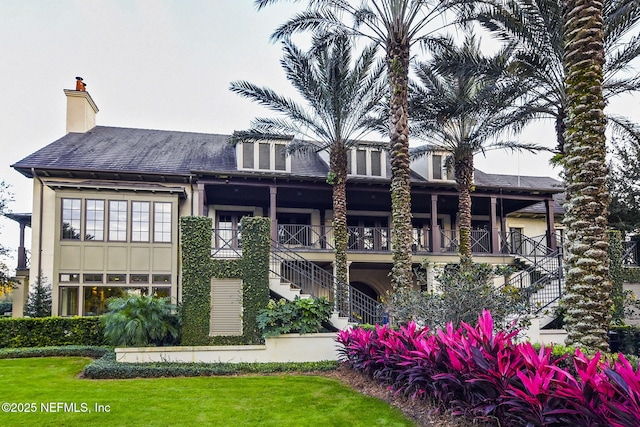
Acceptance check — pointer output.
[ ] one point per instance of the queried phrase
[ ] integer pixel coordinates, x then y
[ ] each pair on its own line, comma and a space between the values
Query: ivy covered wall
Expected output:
198, 268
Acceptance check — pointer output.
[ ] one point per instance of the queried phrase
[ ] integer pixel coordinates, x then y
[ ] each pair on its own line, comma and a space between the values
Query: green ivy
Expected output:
51, 331
616, 275
198, 268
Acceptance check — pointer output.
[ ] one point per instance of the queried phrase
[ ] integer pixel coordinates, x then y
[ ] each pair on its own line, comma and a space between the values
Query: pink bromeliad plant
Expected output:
476, 371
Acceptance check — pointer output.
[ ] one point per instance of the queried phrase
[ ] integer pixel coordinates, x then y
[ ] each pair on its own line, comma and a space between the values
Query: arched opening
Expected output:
365, 289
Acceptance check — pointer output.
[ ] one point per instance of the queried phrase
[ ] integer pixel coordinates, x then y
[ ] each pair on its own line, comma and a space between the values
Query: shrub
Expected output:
460, 296
5, 307
51, 331
55, 351
302, 315
107, 368
484, 374
141, 321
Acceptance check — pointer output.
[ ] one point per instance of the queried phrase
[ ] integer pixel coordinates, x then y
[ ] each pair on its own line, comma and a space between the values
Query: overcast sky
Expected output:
149, 64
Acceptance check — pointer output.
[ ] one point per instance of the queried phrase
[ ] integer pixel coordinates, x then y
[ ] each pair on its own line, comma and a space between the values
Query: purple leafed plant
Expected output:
476, 371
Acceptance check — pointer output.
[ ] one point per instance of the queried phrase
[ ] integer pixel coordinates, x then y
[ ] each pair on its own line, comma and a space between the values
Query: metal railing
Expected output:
305, 275
541, 283
306, 236
226, 243
630, 256
530, 248
450, 243
375, 239
363, 308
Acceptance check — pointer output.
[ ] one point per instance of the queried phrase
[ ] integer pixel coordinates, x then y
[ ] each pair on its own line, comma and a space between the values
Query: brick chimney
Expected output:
81, 110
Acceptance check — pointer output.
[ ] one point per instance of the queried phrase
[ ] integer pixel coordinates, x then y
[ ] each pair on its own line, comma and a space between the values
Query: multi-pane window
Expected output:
140, 221
71, 210
264, 156
162, 222
94, 220
118, 220
365, 162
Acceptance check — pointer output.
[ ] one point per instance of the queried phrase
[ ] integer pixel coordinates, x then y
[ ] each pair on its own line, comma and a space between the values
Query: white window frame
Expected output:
256, 157
368, 150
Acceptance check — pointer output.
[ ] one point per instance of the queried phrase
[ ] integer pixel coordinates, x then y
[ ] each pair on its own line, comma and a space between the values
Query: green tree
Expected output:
588, 286
6, 281
462, 103
537, 28
141, 321
39, 301
341, 96
624, 185
395, 25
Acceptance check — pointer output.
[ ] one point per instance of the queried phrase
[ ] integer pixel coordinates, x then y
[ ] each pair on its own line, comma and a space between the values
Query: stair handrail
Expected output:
549, 269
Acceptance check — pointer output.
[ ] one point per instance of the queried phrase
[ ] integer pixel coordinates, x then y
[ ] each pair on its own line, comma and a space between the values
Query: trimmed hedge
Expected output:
198, 268
107, 368
66, 351
51, 331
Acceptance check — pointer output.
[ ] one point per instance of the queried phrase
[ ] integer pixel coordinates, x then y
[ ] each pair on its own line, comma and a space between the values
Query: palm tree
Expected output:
395, 25
537, 27
588, 286
462, 103
341, 99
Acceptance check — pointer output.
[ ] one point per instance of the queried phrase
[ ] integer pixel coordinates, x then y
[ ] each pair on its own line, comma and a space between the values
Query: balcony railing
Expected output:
630, 254
226, 242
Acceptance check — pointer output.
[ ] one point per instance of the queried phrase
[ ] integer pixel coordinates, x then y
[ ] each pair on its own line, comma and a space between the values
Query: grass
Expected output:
276, 400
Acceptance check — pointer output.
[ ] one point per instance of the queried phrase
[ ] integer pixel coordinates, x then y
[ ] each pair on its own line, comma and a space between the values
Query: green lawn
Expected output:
282, 400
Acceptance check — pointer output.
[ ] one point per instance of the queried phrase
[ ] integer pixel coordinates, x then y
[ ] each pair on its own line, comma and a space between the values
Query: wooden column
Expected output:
435, 229
201, 199
273, 191
493, 220
551, 228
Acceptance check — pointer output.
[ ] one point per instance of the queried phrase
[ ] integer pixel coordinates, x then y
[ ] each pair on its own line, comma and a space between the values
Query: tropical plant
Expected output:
395, 25
141, 321
482, 373
588, 285
39, 300
302, 315
537, 28
461, 104
341, 96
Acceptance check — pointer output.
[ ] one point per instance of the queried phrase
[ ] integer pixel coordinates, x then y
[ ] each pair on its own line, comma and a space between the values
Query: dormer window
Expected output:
366, 162
266, 156
439, 168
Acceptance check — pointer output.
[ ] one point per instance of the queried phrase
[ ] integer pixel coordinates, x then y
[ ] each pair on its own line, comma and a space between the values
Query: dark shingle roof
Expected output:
514, 181
161, 152
127, 150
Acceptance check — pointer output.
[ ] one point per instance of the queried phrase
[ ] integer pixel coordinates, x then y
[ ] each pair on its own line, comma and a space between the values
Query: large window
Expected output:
68, 301
94, 220
263, 156
118, 220
140, 221
71, 210
162, 222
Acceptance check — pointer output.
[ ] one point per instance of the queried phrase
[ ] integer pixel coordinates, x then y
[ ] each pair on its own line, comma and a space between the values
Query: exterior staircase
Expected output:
291, 276
542, 280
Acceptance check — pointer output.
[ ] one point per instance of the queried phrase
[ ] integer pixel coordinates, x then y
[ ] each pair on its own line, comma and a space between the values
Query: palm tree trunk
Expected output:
464, 181
338, 165
588, 286
401, 233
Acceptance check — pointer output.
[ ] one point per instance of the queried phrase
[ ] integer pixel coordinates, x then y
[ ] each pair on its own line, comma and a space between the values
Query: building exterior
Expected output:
107, 201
